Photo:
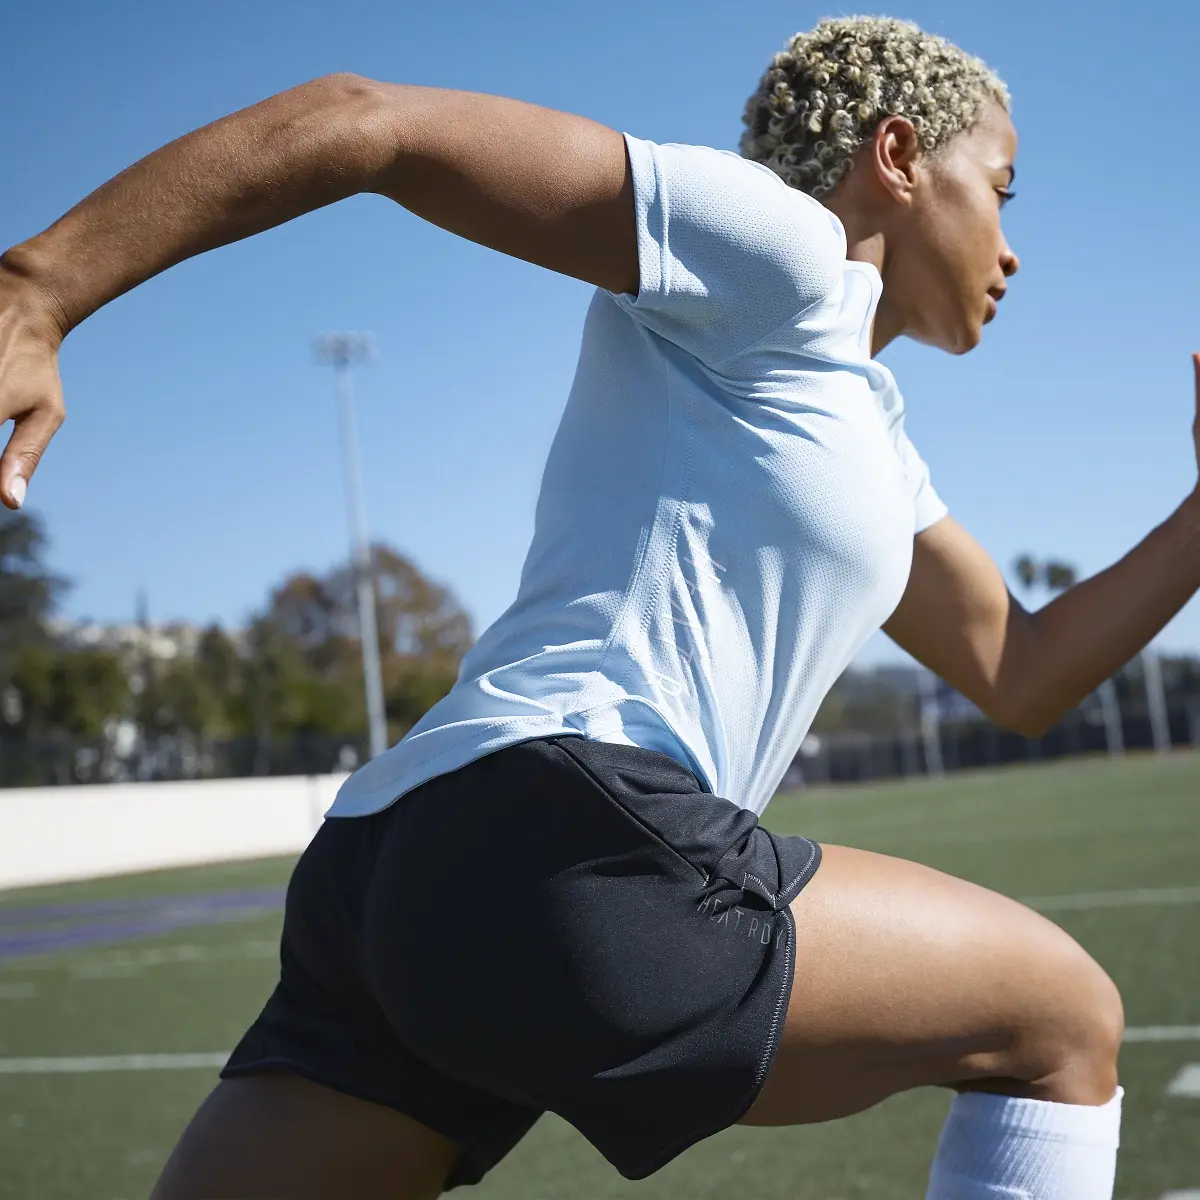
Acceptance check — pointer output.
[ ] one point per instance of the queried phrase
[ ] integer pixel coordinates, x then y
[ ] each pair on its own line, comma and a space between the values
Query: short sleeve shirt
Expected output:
728, 508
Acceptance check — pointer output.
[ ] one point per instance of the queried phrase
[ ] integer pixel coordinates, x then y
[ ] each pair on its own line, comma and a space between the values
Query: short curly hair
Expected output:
826, 92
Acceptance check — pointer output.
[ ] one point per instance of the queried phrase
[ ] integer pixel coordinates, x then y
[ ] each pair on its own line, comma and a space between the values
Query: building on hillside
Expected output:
176, 639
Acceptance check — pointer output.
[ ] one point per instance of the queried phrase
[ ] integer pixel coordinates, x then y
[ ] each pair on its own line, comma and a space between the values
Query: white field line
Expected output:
1192, 1195
1163, 1033
87, 1064
1187, 1082
956, 836
1127, 899
126, 964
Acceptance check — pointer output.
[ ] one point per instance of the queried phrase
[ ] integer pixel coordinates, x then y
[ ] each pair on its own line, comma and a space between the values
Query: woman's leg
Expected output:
906, 977
277, 1135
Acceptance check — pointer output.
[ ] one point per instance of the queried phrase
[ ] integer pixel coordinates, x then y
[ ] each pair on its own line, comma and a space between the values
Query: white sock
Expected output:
995, 1147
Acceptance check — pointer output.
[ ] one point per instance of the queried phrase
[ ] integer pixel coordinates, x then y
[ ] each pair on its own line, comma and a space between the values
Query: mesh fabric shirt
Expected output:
728, 508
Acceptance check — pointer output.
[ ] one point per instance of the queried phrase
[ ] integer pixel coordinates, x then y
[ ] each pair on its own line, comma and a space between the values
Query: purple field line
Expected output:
162, 914
41, 914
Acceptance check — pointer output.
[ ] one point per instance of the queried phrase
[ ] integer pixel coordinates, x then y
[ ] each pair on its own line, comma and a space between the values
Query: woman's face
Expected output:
948, 267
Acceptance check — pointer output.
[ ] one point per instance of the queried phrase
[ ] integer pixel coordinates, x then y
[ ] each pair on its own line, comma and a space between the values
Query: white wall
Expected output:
48, 835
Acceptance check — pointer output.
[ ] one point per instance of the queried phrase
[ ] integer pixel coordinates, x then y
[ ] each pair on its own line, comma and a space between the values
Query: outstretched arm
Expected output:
1025, 670
537, 184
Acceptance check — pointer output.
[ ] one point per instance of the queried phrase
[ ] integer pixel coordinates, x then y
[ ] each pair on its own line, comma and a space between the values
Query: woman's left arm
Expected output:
1023, 669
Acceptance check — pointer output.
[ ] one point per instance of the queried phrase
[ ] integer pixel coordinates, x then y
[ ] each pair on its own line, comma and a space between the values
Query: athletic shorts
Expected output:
563, 925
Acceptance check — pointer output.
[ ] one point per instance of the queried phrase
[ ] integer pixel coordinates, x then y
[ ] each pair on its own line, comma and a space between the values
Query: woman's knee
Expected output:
1066, 1047
1089, 1076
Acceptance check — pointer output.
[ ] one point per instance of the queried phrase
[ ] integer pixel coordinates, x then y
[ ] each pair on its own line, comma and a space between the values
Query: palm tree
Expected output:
1026, 569
1059, 576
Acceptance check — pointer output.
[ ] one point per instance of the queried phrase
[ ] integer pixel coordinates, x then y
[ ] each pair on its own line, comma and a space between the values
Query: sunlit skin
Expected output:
930, 223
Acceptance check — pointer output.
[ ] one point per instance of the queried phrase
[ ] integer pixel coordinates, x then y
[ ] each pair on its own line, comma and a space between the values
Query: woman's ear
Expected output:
893, 153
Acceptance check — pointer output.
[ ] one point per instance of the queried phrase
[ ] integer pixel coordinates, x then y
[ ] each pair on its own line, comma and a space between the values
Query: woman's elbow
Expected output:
1030, 716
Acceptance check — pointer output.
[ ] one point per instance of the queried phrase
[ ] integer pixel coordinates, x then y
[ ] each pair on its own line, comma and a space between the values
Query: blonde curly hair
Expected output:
828, 89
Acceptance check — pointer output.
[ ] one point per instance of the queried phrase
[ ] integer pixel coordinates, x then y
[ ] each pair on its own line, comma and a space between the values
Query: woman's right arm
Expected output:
540, 185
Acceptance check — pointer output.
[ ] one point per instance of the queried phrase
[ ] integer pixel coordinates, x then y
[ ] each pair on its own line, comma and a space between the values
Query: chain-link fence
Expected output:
123, 754
848, 757
122, 757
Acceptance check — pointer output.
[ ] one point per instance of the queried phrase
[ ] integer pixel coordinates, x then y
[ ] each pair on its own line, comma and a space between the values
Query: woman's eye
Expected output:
1006, 195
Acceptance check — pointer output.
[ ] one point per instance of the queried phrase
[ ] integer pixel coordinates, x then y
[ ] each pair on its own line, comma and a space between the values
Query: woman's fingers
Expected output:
30, 393
30, 436
31, 397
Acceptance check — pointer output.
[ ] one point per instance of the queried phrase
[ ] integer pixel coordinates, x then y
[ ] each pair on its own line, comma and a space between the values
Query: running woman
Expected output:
554, 893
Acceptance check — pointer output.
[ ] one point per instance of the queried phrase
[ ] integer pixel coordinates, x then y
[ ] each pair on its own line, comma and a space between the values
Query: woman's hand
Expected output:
30, 389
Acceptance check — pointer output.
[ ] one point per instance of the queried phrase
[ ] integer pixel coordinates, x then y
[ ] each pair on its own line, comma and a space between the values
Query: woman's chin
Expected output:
972, 339
953, 341
965, 338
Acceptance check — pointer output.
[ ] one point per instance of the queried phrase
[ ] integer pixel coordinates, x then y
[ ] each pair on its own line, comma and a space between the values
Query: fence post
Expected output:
1114, 735
931, 725
1156, 700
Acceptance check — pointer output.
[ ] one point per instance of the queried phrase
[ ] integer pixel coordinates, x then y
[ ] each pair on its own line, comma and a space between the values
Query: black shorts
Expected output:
564, 925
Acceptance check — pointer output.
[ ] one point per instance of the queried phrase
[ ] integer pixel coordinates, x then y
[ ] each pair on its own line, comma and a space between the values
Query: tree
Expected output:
423, 634
306, 610
28, 589
1059, 576
289, 686
1027, 571
221, 678
417, 617
66, 690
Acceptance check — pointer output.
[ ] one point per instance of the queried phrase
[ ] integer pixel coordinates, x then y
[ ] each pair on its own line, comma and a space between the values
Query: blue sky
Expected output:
200, 459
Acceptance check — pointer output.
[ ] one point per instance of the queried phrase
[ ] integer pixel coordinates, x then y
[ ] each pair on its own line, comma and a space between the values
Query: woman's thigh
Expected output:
906, 977
279, 1135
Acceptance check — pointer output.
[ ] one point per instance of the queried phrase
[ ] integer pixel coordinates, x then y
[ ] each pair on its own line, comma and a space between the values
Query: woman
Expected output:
573, 907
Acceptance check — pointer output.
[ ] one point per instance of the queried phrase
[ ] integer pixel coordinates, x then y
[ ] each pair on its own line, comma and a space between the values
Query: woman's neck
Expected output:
865, 242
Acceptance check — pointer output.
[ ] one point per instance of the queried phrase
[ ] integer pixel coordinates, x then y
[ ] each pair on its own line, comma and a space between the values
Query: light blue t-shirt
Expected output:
727, 512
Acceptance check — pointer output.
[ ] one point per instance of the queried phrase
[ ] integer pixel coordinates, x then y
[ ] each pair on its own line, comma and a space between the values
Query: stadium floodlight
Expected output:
341, 351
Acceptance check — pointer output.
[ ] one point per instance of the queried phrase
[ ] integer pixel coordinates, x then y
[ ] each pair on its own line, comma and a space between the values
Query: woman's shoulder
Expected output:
725, 243
728, 181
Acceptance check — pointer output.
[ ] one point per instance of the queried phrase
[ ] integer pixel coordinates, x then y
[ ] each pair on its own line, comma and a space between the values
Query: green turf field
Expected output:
1112, 852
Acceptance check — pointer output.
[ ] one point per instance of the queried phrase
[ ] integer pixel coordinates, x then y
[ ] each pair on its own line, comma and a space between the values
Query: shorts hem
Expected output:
770, 1052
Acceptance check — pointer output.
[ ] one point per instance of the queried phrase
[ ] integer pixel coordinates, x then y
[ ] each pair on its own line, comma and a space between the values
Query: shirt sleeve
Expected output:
928, 507
727, 251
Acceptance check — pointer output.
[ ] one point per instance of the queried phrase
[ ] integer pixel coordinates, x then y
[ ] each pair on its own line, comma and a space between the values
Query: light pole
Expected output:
341, 350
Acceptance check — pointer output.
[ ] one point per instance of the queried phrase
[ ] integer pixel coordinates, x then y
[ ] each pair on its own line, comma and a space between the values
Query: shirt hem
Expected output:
351, 802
